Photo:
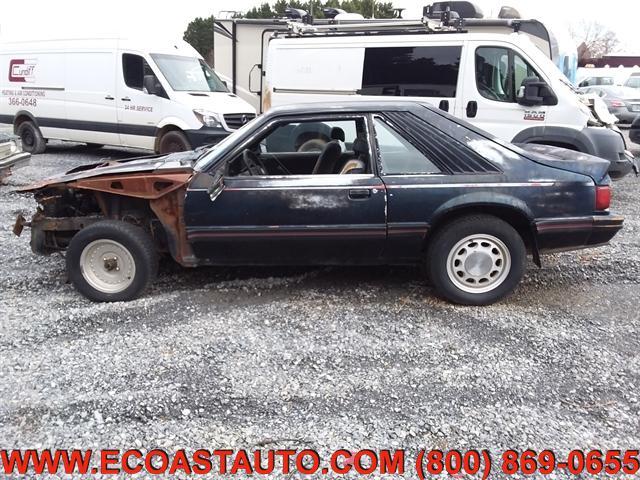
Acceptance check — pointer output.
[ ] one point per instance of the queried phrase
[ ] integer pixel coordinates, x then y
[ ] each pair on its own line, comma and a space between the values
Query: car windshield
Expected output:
188, 74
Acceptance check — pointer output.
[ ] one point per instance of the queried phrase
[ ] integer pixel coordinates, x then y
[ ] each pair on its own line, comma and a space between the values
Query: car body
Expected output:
634, 131
145, 93
623, 102
11, 155
350, 183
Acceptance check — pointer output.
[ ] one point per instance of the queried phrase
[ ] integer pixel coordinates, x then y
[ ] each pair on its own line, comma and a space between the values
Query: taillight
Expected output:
603, 197
616, 103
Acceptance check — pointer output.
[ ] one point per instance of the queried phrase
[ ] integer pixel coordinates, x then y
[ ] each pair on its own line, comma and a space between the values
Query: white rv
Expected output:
161, 97
495, 73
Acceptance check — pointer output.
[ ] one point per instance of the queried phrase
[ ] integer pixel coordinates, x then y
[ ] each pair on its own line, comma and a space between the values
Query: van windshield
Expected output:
188, 74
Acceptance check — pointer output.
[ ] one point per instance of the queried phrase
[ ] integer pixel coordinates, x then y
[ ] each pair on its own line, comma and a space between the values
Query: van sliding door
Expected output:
90, 98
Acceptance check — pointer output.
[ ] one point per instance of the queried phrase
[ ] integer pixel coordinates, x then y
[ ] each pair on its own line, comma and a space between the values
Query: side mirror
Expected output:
217, 185
151, 85
533, 92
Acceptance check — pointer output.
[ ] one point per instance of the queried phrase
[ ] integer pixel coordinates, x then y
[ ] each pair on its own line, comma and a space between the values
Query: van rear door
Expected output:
91, 97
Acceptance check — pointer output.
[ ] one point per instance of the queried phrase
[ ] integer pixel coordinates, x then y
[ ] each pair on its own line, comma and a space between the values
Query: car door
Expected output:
493, 76
139, 113
286, 218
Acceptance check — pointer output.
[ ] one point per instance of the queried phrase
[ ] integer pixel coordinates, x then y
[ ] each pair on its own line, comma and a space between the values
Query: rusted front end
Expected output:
150, 200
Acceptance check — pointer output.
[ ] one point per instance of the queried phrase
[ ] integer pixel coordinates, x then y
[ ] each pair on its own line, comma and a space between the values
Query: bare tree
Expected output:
595, 40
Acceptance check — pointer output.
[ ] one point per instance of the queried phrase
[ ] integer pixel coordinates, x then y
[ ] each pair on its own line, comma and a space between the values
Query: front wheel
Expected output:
111, 261
476, 260
173, 141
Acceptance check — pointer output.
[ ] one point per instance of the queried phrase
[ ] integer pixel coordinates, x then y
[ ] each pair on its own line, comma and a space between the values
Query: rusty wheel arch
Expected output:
165, 193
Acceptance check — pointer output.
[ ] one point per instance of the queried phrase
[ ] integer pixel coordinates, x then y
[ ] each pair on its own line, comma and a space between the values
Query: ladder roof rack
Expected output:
395, 26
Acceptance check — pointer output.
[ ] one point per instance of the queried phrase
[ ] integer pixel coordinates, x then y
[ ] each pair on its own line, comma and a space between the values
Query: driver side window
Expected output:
320, 146
500, 72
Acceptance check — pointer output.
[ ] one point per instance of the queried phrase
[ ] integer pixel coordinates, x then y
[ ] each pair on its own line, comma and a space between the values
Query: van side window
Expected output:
397, 155
134, 68
500, 72
411, 71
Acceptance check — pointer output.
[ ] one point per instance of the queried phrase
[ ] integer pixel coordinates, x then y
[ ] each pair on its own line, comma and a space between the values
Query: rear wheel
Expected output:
173, 141
111, 261
31, 138
476, 260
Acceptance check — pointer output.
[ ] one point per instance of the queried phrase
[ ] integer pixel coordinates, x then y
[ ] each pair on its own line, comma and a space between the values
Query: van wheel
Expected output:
111, 261
476, 260
173, 141
32, 140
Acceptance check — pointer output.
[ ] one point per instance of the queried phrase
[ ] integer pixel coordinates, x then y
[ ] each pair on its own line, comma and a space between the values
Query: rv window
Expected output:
500, 72
397, 155
411, 71
134, 68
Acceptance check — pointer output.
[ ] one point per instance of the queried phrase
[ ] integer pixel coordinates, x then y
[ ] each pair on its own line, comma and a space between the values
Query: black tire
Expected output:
507, 278
173, 141
135, 240
31, 137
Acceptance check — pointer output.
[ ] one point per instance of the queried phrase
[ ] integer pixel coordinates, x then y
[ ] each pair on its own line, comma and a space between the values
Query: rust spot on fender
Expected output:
149, 186
169, 210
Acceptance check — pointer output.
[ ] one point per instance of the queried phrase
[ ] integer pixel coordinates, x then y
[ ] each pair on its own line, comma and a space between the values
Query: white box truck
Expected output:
161, 97
494, 73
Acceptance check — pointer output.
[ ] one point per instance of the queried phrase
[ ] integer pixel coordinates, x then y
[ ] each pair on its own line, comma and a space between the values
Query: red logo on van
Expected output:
22, 70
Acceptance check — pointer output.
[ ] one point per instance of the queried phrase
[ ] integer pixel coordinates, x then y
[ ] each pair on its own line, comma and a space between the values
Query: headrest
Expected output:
360, 145
337, 134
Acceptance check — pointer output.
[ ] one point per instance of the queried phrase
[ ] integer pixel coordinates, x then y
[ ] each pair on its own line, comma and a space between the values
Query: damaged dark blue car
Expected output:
352, 183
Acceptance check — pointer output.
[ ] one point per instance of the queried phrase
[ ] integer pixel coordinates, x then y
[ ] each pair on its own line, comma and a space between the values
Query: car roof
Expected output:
346, 107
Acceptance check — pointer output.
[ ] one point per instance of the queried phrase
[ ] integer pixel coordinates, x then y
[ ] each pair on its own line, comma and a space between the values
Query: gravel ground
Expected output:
318, 358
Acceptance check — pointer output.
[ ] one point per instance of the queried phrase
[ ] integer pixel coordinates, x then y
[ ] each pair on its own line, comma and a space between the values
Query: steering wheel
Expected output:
488, 92
252, 163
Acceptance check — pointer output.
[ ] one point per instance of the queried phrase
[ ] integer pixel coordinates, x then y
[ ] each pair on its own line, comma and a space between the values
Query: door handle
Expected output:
472, 108
125, 99
109, 97
359, 193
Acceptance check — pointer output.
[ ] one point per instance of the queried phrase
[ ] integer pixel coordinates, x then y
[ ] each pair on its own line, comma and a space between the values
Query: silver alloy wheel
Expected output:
478, 263
107, 266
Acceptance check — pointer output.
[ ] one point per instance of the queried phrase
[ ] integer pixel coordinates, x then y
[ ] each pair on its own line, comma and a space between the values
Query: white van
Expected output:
491, 73
115, 92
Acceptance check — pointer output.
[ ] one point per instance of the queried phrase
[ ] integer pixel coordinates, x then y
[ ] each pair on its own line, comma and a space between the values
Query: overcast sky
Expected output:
45, 19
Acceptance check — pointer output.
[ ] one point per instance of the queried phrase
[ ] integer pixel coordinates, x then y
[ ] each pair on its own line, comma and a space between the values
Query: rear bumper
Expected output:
557, 234
15, 161
609, 143
205, 136
625, 116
